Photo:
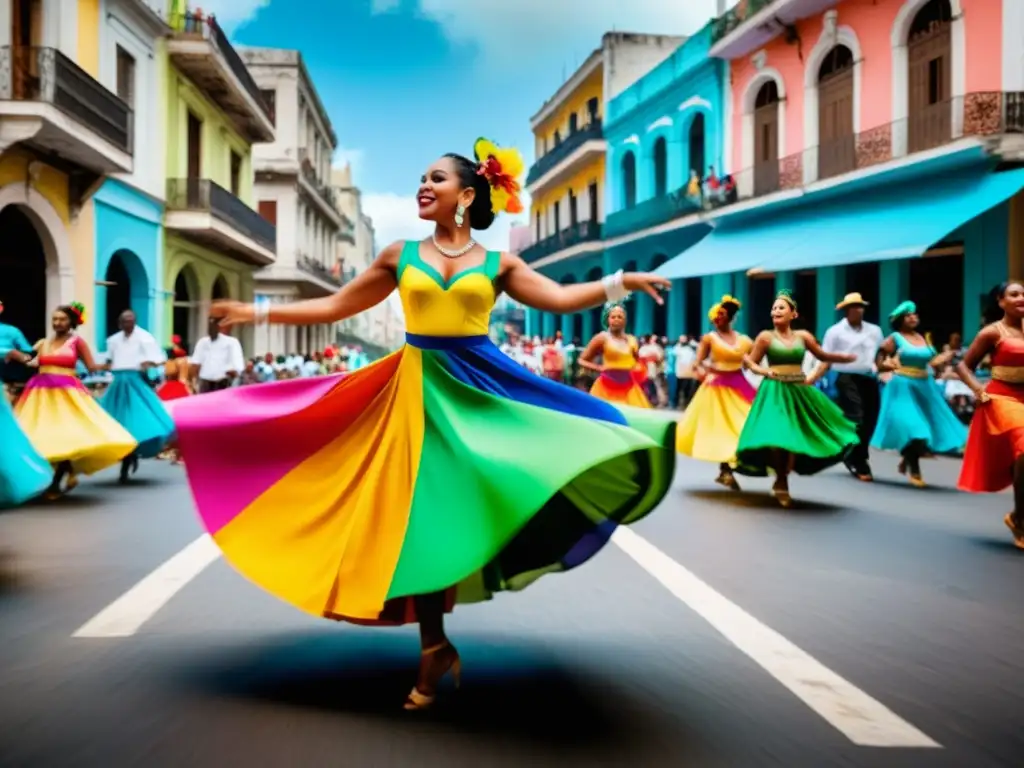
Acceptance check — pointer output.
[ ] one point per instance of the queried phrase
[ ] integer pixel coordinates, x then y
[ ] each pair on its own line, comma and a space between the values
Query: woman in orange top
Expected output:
994, 457
621, 373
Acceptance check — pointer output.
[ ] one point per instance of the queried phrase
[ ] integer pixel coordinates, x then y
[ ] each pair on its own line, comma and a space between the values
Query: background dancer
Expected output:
217, 359
857, 390
710, 427
442, 472
24, 474
994, 457
620, 371
132, 351
792, 426
915, 418
61, 419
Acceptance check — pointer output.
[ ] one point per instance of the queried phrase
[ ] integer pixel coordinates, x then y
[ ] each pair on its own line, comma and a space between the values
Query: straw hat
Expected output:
851, 300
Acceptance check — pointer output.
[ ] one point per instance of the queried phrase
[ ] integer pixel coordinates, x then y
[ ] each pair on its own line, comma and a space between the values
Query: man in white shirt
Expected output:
857, 382
685, 371
130, 399
217, 359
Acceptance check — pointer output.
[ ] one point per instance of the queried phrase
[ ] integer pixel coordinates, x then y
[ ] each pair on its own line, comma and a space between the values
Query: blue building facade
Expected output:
129, 259
663, 131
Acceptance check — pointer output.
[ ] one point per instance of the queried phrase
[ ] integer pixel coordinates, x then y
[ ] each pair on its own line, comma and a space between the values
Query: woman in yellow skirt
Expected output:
59, 416
621, 373
710, 427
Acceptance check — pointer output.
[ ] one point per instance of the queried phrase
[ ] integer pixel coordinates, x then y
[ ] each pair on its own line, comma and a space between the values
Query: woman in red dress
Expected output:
994, 457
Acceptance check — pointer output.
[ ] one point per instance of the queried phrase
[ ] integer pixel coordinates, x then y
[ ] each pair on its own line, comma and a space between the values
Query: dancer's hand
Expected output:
652, 285
231, 313
983, 398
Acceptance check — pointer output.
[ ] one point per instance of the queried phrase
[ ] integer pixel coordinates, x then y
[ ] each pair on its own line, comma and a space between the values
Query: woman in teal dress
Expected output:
792, 426
915, 418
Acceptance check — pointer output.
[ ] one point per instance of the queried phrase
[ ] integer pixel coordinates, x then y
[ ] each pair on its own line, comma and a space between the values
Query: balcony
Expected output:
206, 213
348, 230
751, 24
199, 49
329, 279
582, 232
52, 104
562, 161
320, 192
992, 120
651, 213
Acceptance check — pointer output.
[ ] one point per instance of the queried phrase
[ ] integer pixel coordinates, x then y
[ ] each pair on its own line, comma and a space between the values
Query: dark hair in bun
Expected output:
992, 312
480, 214
73, 313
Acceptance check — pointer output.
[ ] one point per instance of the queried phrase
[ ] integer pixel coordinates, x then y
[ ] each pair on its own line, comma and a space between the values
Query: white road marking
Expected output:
863, 720
126, 615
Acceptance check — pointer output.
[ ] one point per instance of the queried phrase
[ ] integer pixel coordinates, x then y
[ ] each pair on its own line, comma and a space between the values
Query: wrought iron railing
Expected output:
199, 24
313, 267
582, 232
47, 75
209, 197
651, 213
568, 145
735, 17
307, 166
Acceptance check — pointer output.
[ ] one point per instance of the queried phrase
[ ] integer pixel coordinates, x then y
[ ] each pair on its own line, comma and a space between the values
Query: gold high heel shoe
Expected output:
416, 700
782, 496
1016, 530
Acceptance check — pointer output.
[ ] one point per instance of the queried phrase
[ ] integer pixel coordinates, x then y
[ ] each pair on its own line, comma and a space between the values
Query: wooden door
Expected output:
195, 147
836, 141
766, 149
592, 198
930, 109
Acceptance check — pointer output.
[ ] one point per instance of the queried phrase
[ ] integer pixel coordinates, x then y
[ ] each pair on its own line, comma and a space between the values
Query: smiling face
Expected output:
1012, 301
783, 313
617, 320
441, 191
721, 320
911, 321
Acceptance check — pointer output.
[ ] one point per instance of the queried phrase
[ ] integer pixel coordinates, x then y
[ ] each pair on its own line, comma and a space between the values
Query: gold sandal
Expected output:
416, 701
1016, 530
782, 496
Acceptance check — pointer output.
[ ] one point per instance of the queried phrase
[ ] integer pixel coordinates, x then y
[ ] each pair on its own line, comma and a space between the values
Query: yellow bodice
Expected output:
460, 306
725, 357
619, 354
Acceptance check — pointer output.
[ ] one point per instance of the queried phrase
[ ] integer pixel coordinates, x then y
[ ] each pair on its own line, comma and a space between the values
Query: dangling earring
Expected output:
460, 216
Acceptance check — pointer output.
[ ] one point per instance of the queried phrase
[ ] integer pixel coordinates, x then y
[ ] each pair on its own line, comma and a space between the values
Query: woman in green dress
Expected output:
792, 426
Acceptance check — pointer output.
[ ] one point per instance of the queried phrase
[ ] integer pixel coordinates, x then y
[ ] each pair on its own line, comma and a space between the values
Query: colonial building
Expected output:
214, 237
61, 132
566, 182
873, 147
293, 190
129, 207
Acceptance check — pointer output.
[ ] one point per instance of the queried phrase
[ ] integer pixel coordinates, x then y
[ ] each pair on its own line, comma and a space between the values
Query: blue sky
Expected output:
407, 80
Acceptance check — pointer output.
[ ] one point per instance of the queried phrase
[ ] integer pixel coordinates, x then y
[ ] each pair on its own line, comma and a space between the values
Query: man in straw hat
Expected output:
857, 382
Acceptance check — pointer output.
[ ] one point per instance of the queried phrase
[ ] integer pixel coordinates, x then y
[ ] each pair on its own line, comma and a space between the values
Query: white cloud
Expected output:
395, 218
232, 14
562, 32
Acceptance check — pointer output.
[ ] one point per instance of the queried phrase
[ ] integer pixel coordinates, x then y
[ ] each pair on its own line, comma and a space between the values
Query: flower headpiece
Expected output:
726, 301
502, 169
79, 309
787, 296
611, 305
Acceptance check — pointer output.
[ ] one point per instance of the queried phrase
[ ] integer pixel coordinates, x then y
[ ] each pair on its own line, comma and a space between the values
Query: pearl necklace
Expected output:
453, 254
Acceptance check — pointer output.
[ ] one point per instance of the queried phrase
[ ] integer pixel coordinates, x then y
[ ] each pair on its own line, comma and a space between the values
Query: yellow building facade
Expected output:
61, 133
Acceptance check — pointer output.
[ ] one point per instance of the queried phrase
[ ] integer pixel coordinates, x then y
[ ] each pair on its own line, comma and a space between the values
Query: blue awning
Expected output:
889, 222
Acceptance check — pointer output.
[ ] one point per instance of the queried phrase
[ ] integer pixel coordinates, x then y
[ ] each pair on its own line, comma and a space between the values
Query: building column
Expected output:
589, 331
548, 325
741, 290
785, 281
676, 309
644, 308
831, 287
1015, 251
893, 286
567, 328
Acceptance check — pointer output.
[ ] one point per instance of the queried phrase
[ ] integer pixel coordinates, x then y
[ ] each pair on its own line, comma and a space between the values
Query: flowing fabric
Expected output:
622, 379
996, 438
64, 422
913, 408
710, 428
793, 417
444, 466
135, 406
24, 474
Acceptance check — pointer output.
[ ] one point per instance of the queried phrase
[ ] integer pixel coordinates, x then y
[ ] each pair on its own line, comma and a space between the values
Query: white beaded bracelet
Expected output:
615, 286
261, 310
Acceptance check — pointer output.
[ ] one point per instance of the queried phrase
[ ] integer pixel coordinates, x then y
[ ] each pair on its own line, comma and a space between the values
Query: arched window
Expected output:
629, 180
766, 139
929, 63
697, 159
836, 143
660, 159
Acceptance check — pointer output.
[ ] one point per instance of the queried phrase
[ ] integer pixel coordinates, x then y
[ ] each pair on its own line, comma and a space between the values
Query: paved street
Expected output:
870, 626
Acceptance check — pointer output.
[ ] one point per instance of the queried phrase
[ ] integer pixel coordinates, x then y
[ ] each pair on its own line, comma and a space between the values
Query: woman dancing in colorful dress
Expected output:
444, 472
994, 457
710, 427
59, 416
24, 474
914, 418
792, 425
620, 371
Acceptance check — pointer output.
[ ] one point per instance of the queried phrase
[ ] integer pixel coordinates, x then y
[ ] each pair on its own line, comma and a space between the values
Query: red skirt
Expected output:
995, 441
173, 390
